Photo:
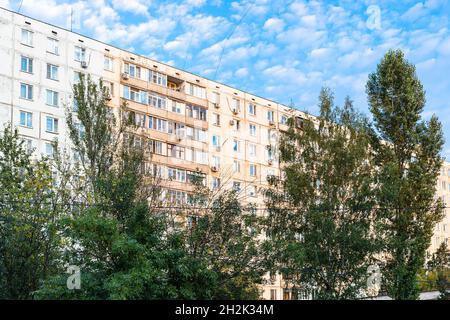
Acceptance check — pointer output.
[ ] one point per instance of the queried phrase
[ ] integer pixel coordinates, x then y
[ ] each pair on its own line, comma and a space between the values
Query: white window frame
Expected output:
79, 53
52, 71
54, 97
54, 124
29, 64
27, 117
28, 91
29, 37
52, 46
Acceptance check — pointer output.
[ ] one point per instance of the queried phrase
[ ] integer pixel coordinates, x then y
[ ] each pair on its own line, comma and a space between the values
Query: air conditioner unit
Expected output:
231, 122
214, 169
84, 64
270, 161
218, 149
125, 76
216, 105
108, 97
235, 111
271, 123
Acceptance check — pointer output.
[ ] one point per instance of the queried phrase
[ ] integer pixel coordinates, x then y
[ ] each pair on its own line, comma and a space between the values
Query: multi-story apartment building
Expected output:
187, 121
442, 229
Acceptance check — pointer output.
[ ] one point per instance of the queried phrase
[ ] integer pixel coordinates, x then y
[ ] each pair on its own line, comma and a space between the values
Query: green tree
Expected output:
30, 212
407, 151
440, 263
224, 237
320, 212
118, 234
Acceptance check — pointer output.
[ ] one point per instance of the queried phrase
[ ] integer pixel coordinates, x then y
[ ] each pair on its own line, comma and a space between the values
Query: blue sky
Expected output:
284, 50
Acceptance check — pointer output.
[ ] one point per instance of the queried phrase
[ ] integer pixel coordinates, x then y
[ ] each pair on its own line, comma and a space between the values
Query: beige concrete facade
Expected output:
187, 121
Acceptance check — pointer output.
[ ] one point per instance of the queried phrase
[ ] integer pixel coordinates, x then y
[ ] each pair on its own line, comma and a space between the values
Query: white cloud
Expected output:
274, 24
320, 53
135, 6
241, 72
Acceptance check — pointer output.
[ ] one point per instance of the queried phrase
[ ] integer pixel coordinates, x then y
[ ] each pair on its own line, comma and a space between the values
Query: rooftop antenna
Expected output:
71, 18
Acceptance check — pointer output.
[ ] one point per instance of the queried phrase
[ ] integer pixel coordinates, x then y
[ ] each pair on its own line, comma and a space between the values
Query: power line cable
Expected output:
230, 34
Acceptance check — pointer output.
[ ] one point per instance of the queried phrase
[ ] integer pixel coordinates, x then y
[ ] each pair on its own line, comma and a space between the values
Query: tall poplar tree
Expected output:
408, 161
320, 212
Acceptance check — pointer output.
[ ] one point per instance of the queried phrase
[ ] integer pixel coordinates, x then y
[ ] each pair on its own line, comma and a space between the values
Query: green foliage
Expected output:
408, 162
320, 213
440, 266
126, 245
29, 217
225, 239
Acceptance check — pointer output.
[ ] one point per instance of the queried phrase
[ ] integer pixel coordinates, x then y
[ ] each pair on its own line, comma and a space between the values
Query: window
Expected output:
53, 46
132, 70
216, 97
216, 141
157, 147
236, 125
283, 119
195, 90
236, 146
76, 76
175, 151
215, 183
200, 157
273, 294
252, 191
26, 64
216, 162
27, 37
216, 119
177, 107
236, 166
52, 98
269, 153
74, 105
196, 112
108, 63
176, 128
157, 78
252, 170
157, 101
176, 174
28, 145
140, 120
235, 105
80, 53
52, 72
26, 91
252, 129
270, 115
236, 186
52, 125
157, 124
26, 119
109, 88
49, 149
252, 109
80, 129
135, 95
252, 150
